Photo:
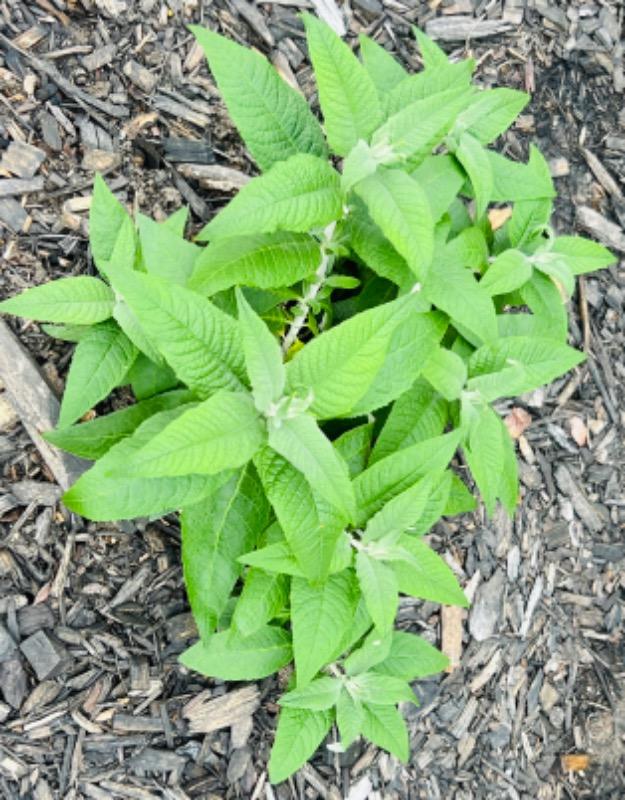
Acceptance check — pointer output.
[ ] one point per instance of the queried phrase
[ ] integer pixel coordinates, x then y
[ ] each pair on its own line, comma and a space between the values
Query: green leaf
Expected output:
264, 595
232, 657
515, 181
278, 557
411, 657
349, 715
101, 360
220, 433
435, 504
107, 221
453, 289
528, 221
383, 69
378, 585
392, 475
424, 574
298, 194
432, 55
474, 159
509, 483
582, 255
556, 268
317, 696
148, 379
177, 222
200, 342
484, 455
508, 272
385, 727
431, 82
420, 413
373, 650
127, 320
94, 438
460, 499
164, 253
518, 364
354, 447
311, 525
265, 260
341, 364
80, 301
214, 533
382, 690
66, 333
273, 119
321, 617
400, 513
347, 95
263, 357
398, 205
447, 373
549, 317
491, 113
305, 446
298, 735
100, 495
441, 179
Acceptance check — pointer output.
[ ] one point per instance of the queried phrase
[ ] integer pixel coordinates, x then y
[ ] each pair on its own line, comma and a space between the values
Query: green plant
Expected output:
304, 381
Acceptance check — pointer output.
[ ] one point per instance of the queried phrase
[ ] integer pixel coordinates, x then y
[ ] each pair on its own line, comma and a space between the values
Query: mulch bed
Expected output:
92, 617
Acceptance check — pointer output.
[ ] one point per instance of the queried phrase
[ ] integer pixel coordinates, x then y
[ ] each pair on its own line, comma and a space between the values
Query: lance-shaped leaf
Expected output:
385, 727
101, 360
512, 180
317, 696
400, 208
164, 253
422, 573
420, 413
582, 255
474, 159
549, 317
394, 474
220, 433
79, 301
321, 617
298, 194
509, 271
265, 261
378, 585
432, 55
94, 438
354, 447
263, 596
177, 222
556, 267
148, 378
301, 441
273, 119
340, 365
232, 657
411, 657
299, 733
447, 373
106, 492
373, 650
370, 687
263, 357
430, 82
107, 219
484, 454
347, 95
491, 113
215, 532
311, 525
441, 179
518, 364
201, 343
278, 557
402, 511
509, 483
349, 714
383, 69
528, 222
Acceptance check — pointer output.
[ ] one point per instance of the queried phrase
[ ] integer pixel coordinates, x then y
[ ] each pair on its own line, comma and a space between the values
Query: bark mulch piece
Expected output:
93, 703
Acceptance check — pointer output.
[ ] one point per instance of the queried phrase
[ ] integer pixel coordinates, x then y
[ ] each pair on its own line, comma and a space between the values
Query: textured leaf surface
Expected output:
164, 252
321, 616
474, 159
80, 301
378, 585
263, 596
106, 220
220, 433
347, 95
305, 446
492, 112
298, 735
447, 373
549, 317
484, 454
441, 179
215, 532
349, 716
400, 208
199, 342
509, 271
354, 447
383, 69
423, 85
94, 438
582, 255
101, 360
232, 657
317, 696
298, 194
265, 260
385, 727
101, 495
382, 690
401, 512
426, 575
411, 657
516, 181
273, 119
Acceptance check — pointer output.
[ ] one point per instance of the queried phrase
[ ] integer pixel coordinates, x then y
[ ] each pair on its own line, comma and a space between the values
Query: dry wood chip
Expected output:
608, 233
575, 762
602, 175
22, 159
451, 634
255, 19
329, 12
100, 57
13, 216
462, 28
588, 514
30, 37
517, 422
101, 160
140, 76
214, 176
14, 186
487, 608
180, 110
45, 655
206, 714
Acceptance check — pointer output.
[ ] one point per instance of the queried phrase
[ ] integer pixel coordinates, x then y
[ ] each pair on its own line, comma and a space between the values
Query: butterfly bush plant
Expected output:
311, 372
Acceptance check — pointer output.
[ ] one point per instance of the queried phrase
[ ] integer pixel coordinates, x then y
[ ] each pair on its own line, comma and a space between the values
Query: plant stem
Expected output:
313, 290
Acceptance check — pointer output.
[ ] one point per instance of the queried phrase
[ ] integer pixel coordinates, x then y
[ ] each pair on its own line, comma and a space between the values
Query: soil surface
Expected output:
93, 703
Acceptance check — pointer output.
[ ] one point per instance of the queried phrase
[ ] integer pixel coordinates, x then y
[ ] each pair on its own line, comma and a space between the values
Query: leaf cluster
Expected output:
306, 370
